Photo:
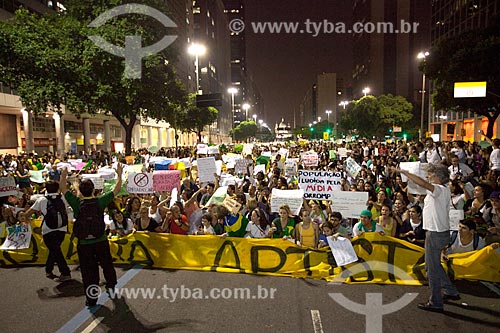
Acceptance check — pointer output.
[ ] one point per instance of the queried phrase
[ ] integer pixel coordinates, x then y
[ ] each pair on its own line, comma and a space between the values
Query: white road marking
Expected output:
316, 319
93, 325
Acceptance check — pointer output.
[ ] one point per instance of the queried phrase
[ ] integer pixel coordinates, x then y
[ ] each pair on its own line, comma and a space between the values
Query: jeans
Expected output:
53, 241
435, 242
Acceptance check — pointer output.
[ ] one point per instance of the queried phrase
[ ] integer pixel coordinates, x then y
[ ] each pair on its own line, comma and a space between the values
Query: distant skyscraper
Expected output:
386, 62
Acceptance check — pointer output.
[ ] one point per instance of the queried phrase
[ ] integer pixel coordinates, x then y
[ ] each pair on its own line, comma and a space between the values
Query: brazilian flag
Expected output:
235, 225
263, 160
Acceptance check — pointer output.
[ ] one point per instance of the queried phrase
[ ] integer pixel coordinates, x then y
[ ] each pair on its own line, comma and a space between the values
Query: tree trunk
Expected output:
199, 135
128, 132
491, 125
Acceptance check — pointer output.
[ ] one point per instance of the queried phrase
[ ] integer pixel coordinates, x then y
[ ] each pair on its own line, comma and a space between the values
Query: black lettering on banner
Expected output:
120, 242
390, 255
34, 252
149, 260
254, 258
369, 272
418, 268
219, 254
364, 243
71, 247
306, 259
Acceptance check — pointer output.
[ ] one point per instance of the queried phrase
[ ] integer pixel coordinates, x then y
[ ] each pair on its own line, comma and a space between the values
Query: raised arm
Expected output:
118, 185
63, 186
417, 180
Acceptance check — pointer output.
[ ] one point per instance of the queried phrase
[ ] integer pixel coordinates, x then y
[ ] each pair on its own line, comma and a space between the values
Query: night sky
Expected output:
283, 65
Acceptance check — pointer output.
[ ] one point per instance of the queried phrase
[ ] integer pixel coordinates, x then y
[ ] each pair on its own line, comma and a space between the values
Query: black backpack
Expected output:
90, 221
57, 215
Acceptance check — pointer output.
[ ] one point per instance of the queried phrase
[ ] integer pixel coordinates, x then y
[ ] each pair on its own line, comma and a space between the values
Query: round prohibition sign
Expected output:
141, 180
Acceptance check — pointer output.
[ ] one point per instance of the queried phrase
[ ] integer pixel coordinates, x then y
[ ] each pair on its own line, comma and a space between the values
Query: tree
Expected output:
50, 61
373, 116
197, 118
468, 57
244, 130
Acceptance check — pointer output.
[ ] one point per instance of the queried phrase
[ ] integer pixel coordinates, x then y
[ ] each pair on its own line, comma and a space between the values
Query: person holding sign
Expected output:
436, 222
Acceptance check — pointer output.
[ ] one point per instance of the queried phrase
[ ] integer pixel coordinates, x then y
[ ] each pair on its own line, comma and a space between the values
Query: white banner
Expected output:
7, 186
201, 149
241, 166
319, 184
349, 204
292, 198
212, 150
310, 159
140, 183
206, 169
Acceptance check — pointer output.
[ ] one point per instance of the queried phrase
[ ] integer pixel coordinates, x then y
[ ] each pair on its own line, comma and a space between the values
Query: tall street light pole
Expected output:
232, 91
245, 106
197, 50
422, 56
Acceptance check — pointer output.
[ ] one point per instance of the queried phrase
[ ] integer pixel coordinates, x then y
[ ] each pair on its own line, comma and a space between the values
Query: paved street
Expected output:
30, 302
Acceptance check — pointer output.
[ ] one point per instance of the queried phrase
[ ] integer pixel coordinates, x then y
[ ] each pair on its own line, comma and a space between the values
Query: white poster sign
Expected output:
319, 184
349, 204
455, 216
310, 159
292, 198
418, 169
202, 149
7, 186
96, 179
352, 167
206, 169
18, 237
342, 251
140, 183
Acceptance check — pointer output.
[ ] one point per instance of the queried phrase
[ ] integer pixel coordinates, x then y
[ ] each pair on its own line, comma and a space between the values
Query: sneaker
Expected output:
429, 307
63, 278
451, 297
51, 276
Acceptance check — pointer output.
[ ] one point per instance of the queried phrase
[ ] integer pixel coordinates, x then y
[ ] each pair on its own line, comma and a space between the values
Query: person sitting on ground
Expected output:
412, 228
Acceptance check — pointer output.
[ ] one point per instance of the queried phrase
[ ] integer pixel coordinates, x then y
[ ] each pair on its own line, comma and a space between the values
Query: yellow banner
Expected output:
382, 259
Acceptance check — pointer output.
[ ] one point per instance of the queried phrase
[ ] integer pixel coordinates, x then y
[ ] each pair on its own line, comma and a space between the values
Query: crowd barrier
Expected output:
275, 257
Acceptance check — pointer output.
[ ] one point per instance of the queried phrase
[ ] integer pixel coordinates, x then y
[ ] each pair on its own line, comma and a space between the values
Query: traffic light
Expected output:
326, 136
328, 131
405, 136
312, 129
390, 130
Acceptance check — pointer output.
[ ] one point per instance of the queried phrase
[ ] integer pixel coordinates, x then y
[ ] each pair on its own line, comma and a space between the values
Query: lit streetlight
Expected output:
328, 112
197, 50
344, 104
245, 106
366, 91
254, 118
422, 56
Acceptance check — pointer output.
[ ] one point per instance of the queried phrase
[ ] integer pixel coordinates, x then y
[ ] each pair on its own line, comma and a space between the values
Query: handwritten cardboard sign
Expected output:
166, 180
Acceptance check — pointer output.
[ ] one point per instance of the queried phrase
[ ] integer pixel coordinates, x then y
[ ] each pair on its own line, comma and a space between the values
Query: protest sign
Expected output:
418, 169
108, 173
212, 150
140, 183
349, 204
218, 196
241, 166
342, 152
342, 251
259, 168
137, 168
291, 167
166, 180
7, 186
202, 149
37, 176
455, 216
227, 179
232, 205
352, 167
283, 152
332, 154
310, 159
206, 169
319, 184
96, 179
292, 198
247, 149
18, 237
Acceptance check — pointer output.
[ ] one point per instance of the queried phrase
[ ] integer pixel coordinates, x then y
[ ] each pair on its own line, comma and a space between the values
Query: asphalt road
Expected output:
191, 301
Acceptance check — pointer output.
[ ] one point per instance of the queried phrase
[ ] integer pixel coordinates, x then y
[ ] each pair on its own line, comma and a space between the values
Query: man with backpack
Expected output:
54, 228
89, 228
432, 154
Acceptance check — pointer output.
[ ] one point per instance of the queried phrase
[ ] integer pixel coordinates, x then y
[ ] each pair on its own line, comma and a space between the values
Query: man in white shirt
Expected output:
495, 157
458, 169
432, 154
52, 238
436, 222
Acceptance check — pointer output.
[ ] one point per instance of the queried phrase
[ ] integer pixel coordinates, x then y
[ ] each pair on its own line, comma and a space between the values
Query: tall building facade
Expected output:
387, 62
449, 18
211, 30
320, 97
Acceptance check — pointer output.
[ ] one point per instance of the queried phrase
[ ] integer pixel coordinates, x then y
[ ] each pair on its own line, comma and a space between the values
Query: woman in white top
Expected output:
120, 225
157, 212
458, 197
258, 227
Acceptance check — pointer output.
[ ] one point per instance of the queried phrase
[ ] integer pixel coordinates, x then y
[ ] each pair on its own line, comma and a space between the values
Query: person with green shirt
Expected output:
89, 228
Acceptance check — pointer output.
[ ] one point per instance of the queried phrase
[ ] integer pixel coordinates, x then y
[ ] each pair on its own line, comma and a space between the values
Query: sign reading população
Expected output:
319, 184
140, 183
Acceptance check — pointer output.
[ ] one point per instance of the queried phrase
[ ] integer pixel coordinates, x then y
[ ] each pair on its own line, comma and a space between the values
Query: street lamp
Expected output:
366, 91
245, 106
328, 116
344, 104
197, 50
254, 118
422, 56
232, 91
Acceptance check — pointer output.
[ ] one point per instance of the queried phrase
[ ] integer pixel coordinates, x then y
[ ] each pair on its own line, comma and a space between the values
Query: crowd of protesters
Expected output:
391, 209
